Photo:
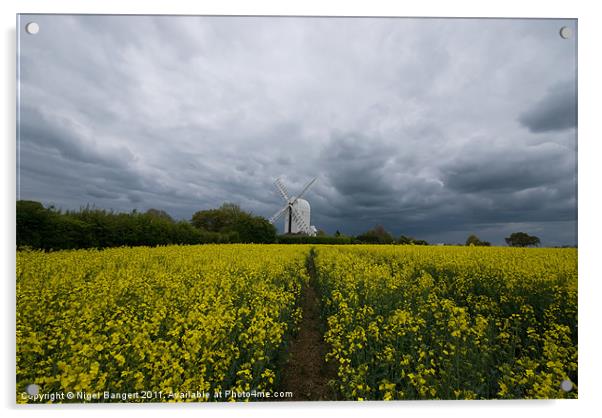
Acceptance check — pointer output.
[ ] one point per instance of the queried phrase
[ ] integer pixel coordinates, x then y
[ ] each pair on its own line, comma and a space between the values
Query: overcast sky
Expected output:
433, 128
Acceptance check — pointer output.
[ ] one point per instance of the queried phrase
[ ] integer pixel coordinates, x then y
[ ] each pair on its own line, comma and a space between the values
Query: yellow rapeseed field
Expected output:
155, 321
409, 322
402, 322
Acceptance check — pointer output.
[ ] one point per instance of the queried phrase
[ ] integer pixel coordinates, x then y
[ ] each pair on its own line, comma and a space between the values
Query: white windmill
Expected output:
296, 211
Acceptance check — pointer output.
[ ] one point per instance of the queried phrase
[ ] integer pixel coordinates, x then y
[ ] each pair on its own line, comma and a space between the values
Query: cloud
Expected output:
69, 139
101, 194
487, 167
555, 111
356, 167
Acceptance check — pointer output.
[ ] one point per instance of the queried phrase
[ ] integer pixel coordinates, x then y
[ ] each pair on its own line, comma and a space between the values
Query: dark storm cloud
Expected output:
356, 166
484, 167
434, 128
65, 136
102, 194
556, 111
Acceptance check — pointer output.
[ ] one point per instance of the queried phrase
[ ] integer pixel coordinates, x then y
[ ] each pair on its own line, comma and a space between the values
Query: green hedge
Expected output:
303, 239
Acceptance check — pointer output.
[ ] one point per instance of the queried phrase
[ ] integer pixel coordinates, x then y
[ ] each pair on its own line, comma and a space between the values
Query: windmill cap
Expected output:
302, 203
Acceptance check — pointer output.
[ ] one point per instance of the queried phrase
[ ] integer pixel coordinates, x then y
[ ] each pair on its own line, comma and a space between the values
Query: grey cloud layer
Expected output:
436, 128
557, 110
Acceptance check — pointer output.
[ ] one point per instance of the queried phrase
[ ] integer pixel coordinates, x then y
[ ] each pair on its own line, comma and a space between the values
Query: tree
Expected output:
32, 223
420, 242
474, 240
522, 239
218, 220
403, 240
376, 235
337, 233
159, 214
234, 224
254, 229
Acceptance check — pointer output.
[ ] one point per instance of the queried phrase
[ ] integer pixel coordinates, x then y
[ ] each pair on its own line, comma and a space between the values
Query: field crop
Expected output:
450, 322
156, 321
401, 322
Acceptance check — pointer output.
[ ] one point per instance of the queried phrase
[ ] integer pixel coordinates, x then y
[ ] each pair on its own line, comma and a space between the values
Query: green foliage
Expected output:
376, 235
231, 221
221, 219
475, 241
403, 240
50, 229
33, 222
159, 214
255, 229
521, 239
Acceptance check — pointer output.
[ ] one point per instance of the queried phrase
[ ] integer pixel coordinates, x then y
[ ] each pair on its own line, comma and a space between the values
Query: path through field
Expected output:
306, 373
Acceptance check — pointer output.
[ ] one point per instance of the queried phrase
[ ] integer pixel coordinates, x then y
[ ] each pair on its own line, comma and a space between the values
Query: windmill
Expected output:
296, 211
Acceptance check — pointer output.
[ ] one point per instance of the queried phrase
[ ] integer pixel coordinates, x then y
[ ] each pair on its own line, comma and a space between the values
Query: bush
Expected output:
235, 225
475, 241
376, 235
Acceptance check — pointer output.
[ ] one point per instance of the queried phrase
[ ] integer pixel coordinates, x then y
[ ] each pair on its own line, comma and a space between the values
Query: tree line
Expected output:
49, 228
52, 229
379, 235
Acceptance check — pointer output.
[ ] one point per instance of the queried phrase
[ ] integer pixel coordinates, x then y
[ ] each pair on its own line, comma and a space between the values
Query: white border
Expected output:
590, 236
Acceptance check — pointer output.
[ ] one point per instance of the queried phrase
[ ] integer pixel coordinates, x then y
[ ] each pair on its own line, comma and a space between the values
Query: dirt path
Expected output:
306, 373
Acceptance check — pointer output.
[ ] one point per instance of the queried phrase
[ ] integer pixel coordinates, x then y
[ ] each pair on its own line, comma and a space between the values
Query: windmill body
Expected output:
304, 210
296, 213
